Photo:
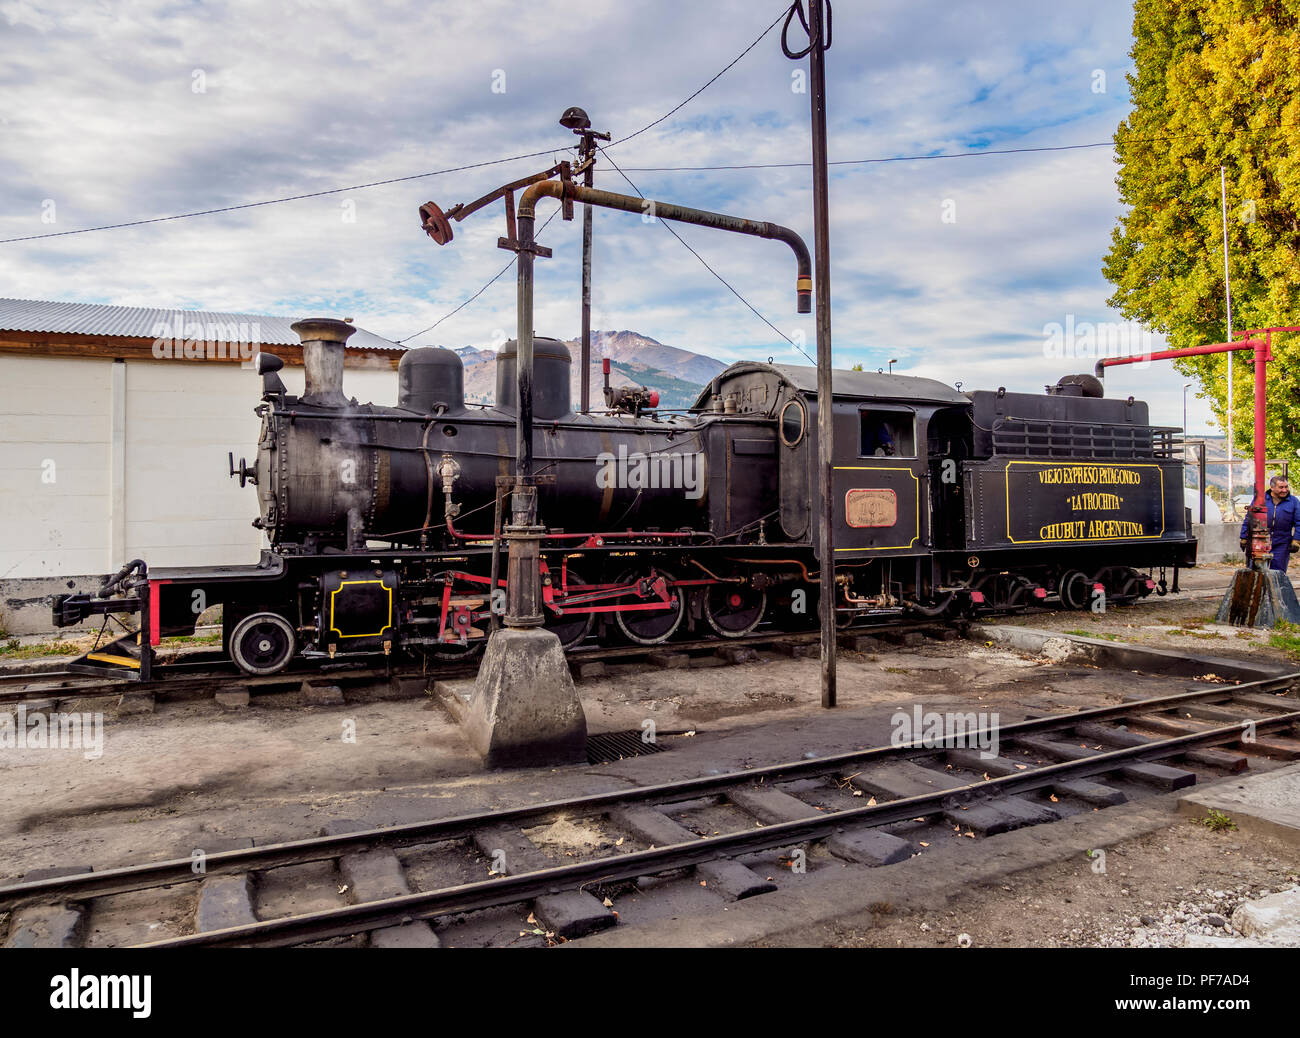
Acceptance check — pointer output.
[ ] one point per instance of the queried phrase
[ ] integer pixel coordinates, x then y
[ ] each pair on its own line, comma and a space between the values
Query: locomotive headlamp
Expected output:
266, 363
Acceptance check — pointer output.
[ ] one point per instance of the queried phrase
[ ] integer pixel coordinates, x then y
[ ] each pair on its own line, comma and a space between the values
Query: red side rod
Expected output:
1263, 350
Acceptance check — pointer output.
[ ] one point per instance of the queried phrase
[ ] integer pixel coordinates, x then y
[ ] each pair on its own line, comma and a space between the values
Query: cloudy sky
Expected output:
956, 267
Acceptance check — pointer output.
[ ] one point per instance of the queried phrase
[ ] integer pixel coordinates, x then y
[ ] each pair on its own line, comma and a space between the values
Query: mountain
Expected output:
635, 359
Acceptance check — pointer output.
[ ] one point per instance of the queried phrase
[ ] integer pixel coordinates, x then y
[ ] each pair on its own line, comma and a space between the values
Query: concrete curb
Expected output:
1263, 804
1126, 656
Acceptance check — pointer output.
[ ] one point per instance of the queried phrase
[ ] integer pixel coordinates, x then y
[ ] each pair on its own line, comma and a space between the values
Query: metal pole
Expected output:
1227, 291
524, 356
495, 621
825, 397
1259, 541
1201, 474
588, 180
523, 580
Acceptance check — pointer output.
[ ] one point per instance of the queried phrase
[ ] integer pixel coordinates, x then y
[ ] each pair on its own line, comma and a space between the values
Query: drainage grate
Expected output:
612, 746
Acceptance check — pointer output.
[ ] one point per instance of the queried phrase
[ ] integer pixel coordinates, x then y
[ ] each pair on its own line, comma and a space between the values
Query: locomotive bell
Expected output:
322, 359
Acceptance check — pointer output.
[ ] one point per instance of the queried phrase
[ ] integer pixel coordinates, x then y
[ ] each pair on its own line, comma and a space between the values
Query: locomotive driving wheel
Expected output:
650, 626
263, 643
571, 628
453, 652
734, 610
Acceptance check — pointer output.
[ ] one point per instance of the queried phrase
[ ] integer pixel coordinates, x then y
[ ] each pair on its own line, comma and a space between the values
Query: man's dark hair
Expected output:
1275, 480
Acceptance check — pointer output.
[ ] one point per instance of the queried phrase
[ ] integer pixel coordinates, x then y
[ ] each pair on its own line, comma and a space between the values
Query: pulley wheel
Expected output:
435, 223
263, 643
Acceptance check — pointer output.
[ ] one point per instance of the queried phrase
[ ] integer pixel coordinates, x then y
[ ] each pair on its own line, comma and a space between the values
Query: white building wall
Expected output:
368, 386
55, 427
182, 420
179, 507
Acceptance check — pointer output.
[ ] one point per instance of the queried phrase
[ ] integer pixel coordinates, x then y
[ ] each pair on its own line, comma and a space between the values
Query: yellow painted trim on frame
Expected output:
887, 468
374, 634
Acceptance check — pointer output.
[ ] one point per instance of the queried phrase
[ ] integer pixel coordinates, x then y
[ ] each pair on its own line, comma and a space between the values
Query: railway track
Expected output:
869, 807
197, 678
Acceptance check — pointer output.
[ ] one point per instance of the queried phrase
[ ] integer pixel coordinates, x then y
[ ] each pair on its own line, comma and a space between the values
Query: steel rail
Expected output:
468, 897
163, 682
299, 852
167, 681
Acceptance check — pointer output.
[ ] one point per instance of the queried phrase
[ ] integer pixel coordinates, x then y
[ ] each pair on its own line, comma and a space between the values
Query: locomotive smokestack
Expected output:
322, 359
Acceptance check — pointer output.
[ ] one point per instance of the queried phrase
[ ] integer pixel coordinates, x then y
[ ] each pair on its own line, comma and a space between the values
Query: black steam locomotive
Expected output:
384, 521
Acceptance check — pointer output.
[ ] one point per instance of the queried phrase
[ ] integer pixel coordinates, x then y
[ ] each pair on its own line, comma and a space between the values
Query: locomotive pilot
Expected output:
1283, 517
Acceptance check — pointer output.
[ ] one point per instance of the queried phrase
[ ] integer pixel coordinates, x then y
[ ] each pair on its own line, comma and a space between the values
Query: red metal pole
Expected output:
1262, 356
1260, 548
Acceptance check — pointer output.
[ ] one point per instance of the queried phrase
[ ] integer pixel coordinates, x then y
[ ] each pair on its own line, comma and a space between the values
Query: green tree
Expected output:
1217, 83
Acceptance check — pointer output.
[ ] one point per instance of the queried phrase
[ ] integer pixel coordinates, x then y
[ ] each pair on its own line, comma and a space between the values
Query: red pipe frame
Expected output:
1263, 350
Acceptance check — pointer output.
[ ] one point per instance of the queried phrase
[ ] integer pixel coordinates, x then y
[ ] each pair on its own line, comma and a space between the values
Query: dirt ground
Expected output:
278, 771
1155, 891
192, 775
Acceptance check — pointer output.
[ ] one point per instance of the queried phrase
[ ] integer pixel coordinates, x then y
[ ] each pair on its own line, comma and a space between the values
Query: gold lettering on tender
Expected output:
1094, 475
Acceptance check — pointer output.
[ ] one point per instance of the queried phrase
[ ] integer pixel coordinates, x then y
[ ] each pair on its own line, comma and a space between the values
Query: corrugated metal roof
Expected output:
36, 315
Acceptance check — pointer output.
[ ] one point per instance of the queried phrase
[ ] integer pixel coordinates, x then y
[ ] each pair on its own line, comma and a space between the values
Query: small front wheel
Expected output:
263, 644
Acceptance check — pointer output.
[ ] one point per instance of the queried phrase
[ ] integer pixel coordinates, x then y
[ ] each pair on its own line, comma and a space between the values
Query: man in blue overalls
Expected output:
1283, 516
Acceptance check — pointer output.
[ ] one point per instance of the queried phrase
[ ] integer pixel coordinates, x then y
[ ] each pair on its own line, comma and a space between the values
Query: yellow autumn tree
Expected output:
1217, 83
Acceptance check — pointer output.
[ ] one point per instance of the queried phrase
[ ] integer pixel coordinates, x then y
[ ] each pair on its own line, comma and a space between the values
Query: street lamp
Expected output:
1185, 389
892, 362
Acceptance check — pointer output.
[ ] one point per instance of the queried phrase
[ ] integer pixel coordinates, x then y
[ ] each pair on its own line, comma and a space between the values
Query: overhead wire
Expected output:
734, 291
236, 207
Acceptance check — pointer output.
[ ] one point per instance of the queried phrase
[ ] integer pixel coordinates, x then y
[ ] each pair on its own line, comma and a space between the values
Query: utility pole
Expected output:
576, 119
819, 39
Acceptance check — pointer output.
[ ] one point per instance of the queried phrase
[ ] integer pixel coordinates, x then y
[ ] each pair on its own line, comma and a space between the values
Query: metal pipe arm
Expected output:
1190, 351
667, 211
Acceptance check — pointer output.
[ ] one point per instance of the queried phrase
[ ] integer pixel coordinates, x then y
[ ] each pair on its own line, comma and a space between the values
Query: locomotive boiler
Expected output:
384, 523
332, 473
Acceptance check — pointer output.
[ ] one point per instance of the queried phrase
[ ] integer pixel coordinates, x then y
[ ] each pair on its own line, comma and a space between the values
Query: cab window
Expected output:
887, 433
